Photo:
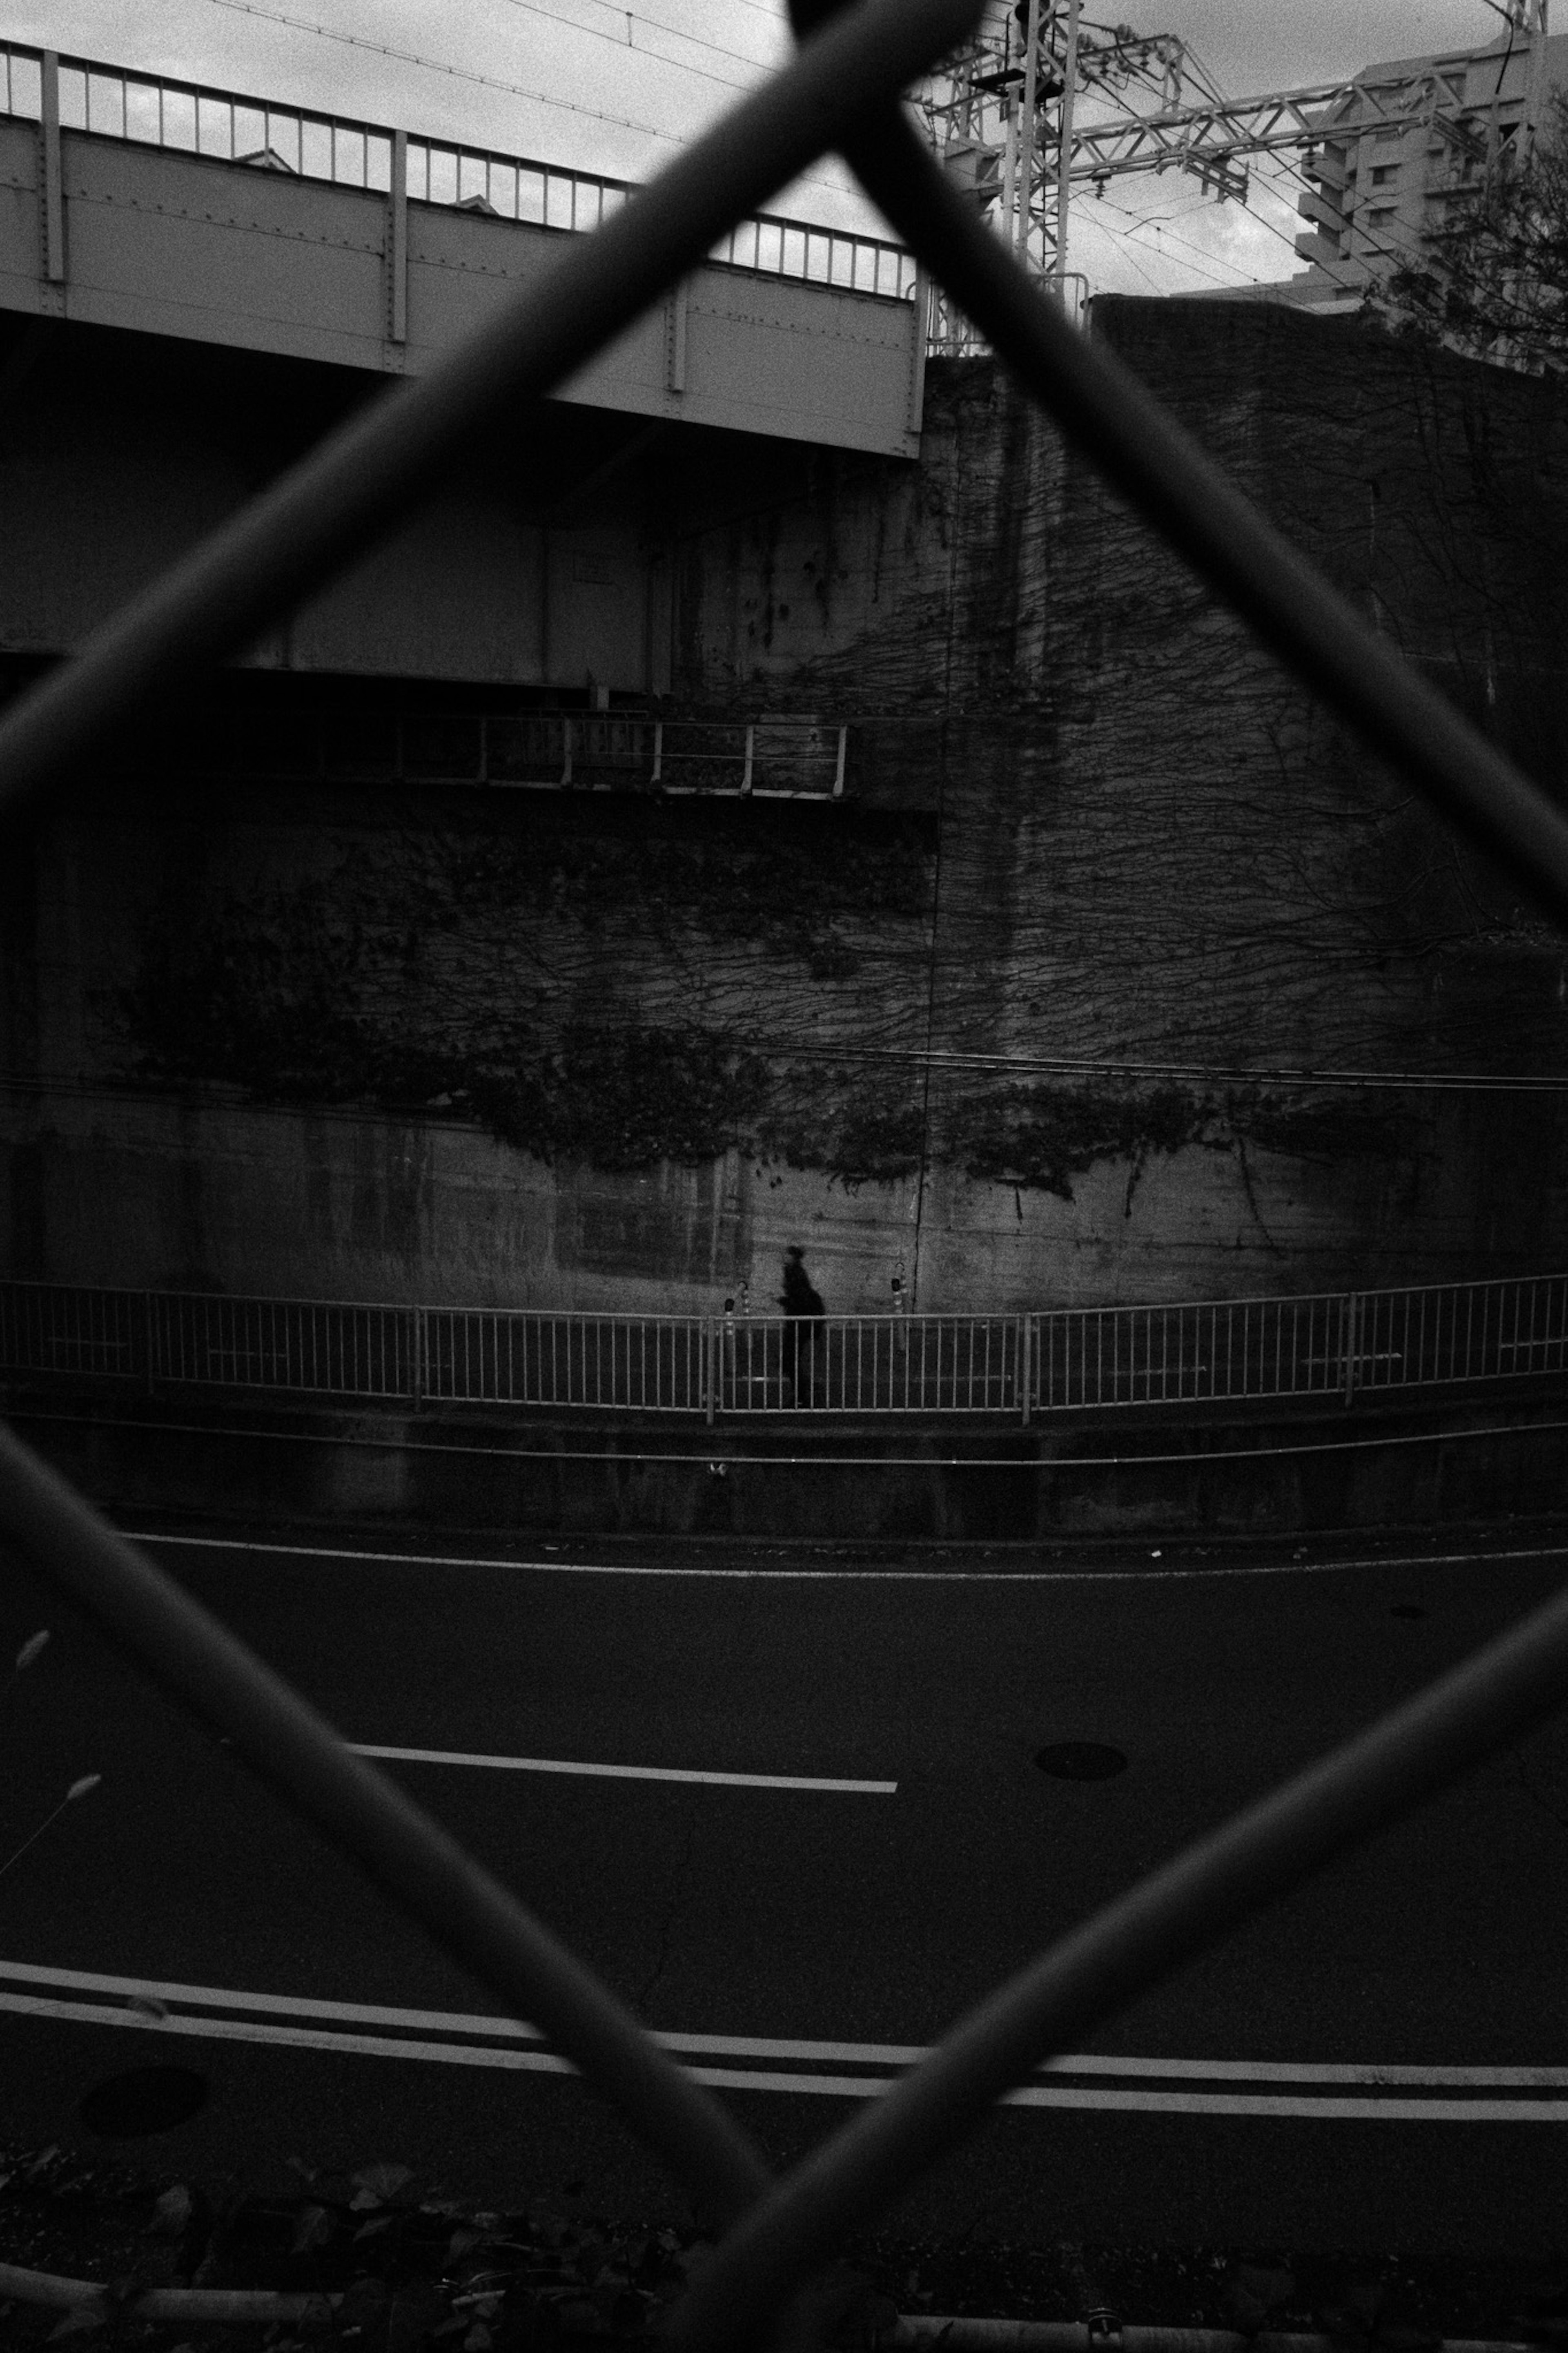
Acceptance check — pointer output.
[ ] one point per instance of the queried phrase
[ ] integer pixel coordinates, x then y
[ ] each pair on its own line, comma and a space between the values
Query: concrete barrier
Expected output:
782, 1480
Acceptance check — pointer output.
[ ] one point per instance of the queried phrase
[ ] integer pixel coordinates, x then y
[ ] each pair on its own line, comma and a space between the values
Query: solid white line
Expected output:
864, 1575
841, 2087
303, 2038
287, 2005
1275, 2103
627, 1772
748, 2046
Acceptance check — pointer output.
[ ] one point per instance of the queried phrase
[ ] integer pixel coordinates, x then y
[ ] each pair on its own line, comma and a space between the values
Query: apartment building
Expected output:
1399, 147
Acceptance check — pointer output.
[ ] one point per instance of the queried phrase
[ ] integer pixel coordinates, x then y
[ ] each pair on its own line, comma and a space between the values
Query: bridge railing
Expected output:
1070, 1359
194, 119
482, 1356
788, 757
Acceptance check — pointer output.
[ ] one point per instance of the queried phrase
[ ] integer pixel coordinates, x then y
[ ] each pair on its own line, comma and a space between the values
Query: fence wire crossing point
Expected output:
840, 90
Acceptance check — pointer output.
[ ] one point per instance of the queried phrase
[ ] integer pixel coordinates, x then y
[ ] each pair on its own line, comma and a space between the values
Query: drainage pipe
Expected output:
966, 2335
217, 2306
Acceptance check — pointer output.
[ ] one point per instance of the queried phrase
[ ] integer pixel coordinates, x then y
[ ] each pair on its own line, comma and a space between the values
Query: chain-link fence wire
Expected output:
839, 91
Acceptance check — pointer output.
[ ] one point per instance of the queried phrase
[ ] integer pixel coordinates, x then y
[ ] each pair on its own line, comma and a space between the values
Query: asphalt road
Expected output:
857, 1844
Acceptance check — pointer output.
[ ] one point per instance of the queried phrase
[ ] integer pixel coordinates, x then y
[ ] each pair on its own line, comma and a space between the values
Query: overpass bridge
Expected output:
131, 201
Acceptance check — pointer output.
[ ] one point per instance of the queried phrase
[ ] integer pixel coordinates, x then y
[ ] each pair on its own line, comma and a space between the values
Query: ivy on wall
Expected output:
1151, 843
586, 984
1045, 1135
347, 995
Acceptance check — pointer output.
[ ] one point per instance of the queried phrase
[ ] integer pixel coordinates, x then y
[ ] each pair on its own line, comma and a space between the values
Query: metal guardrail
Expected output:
194, 119
838, 91
1330, 1344
1334, 1345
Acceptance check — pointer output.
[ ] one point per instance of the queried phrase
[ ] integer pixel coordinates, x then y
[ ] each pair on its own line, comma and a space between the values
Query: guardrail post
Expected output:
1351, 1313
675, 337
416, 1344
1025, 1365
710, 1366
398, 242
146, 1337
51, 185
920, 336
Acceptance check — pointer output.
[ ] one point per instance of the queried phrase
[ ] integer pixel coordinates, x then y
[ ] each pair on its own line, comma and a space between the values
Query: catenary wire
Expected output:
457, 73
655, 24
1142, 220
1280, 161
488, 81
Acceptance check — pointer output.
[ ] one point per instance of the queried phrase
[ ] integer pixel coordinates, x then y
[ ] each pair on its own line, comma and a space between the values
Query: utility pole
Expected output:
1064, 148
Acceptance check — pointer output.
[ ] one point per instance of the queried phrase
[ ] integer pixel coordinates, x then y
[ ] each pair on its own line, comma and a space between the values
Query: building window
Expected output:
1382, 172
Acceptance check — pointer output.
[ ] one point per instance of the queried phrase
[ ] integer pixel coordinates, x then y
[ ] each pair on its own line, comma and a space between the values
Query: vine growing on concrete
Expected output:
1152, 848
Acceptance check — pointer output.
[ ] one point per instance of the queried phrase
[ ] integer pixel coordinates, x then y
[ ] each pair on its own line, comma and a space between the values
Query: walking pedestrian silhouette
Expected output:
802, 1302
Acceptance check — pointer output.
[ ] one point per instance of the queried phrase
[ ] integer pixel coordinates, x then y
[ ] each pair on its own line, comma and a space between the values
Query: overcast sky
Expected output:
588, 82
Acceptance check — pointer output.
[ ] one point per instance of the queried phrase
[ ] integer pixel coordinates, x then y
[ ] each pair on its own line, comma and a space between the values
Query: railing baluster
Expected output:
1106, 1356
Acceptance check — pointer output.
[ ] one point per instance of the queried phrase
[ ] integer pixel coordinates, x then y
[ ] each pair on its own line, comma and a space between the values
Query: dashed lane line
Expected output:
629, 1772
808, 1576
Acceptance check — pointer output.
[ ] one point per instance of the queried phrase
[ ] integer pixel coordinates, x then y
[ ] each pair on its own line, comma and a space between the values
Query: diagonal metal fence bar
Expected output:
401, 1848
362, 479
328, 510
1168, 1919
1221, 1880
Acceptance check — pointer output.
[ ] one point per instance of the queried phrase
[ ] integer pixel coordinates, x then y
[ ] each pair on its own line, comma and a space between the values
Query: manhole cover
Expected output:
1408, 1609
1081, 1760
144, 2100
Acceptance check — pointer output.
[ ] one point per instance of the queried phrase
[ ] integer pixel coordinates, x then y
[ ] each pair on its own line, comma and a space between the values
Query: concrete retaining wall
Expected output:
857, 1483
1005, 1025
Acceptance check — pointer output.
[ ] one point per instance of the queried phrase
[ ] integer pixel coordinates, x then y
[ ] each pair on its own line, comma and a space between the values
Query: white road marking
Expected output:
1122, 2092
627, 1772
287, 2005
303, 2038
1162, 1575
842, 2087
1277, 2103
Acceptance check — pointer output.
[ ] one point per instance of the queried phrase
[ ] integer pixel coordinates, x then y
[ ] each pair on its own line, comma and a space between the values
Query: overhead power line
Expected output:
1028, 151
491, 82
632, 16
457, 73
1143, 221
